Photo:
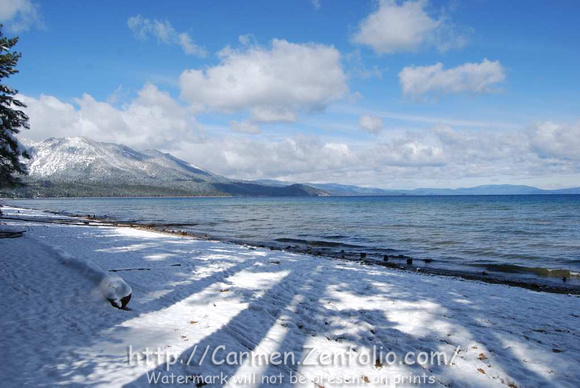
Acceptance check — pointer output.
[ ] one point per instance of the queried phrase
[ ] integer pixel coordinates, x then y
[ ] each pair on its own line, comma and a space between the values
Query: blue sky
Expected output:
340, 91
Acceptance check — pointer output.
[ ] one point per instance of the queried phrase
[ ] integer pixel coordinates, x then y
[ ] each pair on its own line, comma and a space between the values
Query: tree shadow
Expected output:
322, 302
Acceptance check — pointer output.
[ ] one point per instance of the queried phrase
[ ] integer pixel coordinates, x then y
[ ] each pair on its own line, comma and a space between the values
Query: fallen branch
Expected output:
11, 234
140, 269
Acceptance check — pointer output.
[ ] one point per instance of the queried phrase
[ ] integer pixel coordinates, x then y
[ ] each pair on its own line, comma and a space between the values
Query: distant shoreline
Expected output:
292, 196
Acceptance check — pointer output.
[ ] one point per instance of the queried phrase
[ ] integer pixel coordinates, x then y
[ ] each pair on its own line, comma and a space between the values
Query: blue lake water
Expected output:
525, 236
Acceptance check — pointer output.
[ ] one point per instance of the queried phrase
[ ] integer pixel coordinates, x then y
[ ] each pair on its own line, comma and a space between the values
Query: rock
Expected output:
385, 258
564, 278
116, 291
428, 260
409, 261
363, 255
124, 302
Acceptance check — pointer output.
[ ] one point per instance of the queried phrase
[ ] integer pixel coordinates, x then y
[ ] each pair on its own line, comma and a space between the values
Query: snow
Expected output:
189, 295
71, 158
113, 287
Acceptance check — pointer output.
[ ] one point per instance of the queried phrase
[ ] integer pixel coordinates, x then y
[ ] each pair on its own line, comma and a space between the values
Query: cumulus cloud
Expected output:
299, 157
275, 82
371, 124
470, 77
554, 140
164, 32
397, 27
439, 154
19, 15
245, 126
152, 119
273, 115
444, 153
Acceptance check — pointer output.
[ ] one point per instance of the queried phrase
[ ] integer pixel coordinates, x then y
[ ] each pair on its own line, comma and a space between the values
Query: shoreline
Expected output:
191, 293
346, 256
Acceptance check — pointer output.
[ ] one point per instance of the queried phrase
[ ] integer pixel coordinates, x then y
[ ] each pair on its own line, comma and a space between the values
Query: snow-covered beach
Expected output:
202, 305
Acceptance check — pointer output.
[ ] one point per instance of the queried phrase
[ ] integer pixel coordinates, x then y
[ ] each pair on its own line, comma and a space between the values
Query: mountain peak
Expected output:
79, 166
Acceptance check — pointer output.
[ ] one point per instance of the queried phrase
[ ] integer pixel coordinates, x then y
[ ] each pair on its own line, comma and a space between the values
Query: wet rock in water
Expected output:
409, 261
484, 273
363, 255
385, 258
564, 278
428, 260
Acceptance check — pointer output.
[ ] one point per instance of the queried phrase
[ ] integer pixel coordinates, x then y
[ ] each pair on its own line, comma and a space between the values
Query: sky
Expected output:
390, 94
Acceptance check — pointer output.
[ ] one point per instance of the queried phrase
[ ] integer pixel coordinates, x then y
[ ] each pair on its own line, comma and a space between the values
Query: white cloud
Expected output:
144, 28
469, 77
546, 152
371, 124
189, 47
245, 127
247, 40
19, 15
153, 119
316, 4
277, 81
397, 27
554, 140
357, 68
408, 158
272, 115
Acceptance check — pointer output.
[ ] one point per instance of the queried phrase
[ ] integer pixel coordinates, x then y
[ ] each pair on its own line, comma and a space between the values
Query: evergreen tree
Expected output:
11, 118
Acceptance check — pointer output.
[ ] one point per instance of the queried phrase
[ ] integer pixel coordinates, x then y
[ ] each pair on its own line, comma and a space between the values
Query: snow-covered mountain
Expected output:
73, 158
77, 166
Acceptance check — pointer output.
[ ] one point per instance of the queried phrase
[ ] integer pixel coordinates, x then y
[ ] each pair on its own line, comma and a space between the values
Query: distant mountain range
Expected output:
335, 189
80, 167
